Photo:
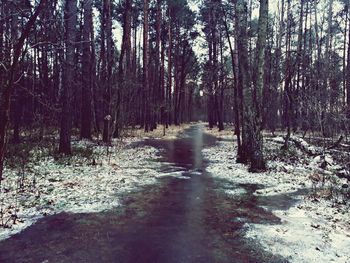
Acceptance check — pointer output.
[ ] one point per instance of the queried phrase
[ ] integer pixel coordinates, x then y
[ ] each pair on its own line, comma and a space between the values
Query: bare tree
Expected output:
87, 72
8, 84
70, 13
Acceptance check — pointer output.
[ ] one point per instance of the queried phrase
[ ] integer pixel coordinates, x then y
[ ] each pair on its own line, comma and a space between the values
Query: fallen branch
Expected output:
336, 144
304, 146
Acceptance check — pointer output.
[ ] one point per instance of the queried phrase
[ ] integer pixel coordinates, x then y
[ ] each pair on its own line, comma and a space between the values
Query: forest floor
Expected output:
317, 227
38, 182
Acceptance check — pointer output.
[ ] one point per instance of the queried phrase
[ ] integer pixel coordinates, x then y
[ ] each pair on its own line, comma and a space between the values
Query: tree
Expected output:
107, 62
70, 13
257, 157
87, 72
234, 62
146, 88
9, 79
288, 96
244, 76
347, 70
251, 80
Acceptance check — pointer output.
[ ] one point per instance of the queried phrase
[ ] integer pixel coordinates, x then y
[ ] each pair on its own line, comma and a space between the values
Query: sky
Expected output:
199, 43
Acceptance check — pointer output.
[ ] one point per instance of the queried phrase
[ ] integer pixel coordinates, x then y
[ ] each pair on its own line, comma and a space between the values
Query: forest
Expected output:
107, 105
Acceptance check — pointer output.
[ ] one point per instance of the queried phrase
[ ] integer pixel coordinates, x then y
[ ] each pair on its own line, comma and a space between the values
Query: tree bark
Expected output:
235, 85
348, 79
257, 158
146, 91
244, 76
170, 65
87, 72
288, 98
107, 70
68, 75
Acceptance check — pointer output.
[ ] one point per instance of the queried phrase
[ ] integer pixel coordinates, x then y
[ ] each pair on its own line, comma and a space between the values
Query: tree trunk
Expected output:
244, 76
146, 91
348, 79
107, 70
170, 65
288, 98
257, 158
70, 13
158, 70
87, 72
235, 86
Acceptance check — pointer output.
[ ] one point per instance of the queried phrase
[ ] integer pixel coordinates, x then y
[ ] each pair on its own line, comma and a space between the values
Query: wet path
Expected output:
183, 219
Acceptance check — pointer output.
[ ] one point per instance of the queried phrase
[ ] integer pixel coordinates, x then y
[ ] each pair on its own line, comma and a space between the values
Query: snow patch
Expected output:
51, 186
311, 230
303, 237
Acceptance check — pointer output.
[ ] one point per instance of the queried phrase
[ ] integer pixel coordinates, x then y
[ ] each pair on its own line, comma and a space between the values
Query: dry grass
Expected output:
227, 133
170, 133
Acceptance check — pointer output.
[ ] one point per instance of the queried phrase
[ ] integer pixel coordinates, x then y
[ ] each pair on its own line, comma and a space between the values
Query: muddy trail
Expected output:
183, 218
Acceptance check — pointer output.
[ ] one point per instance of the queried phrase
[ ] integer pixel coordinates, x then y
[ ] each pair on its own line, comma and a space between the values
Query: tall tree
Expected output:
87, 72
244, 75
347, 69
70, 12
107, 64
146, 88
234, 63
170, 66
9, 79
288, 96
257, 158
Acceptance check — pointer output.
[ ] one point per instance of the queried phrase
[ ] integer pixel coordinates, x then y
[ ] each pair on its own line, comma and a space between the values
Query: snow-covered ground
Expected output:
78, 184
315, 229
75, 185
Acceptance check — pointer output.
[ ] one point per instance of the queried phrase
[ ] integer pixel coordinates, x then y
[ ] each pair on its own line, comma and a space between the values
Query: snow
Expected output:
278, 139
281, 178
314, 229
235, 192
75, 185
304, 235
81, 184
178, 174
306, 146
